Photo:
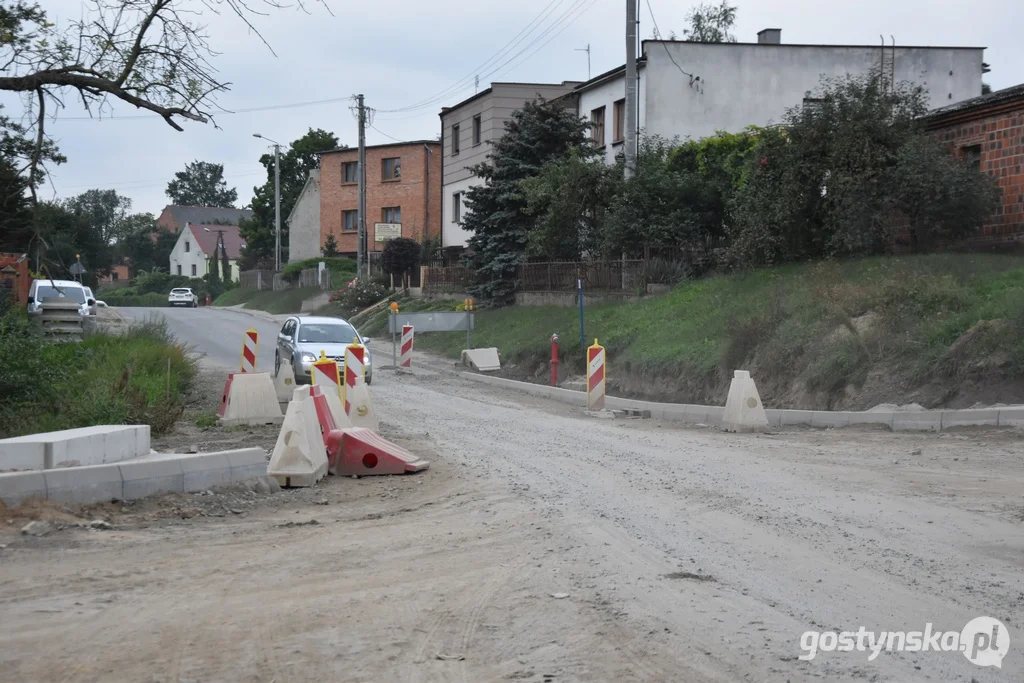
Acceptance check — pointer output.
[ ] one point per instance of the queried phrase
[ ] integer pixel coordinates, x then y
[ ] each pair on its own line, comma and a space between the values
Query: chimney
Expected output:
769, 36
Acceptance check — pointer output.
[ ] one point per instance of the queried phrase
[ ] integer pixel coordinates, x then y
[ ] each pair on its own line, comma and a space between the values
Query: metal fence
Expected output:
447, 279
268, 279
256, 279
597, 276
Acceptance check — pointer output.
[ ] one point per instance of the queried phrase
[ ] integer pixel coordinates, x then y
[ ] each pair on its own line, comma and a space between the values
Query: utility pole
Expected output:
276, 207
587, 50
631, 88
362, 187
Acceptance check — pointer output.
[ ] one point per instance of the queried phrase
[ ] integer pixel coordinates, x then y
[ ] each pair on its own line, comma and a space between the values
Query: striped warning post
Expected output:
326, 374
595, 377
250, 342
407, 339
355, 369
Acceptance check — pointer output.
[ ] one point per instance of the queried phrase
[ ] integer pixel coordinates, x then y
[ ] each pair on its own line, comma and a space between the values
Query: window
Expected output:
457, 207
186, 246
597, 126
350, 221
813, 104
179, 270
350, 172
477, 129
391, 214
619, 121
391, 169
972, 155
193, 270
455, 139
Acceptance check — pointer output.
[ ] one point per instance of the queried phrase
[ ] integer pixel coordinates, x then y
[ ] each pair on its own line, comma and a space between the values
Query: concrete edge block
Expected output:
142, 478
967, 418
774, 416
866, 418
1011, 417
925, 421
16, 487
88, 484
794, 418
247, 463
23, 456
205, 470
830, 418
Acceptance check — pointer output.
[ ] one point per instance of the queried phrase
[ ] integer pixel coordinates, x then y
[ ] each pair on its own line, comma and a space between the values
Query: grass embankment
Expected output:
139, 377
150, 300
284, 301
937, 329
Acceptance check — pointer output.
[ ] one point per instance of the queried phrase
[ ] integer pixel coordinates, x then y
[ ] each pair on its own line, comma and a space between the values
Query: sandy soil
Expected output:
540, 545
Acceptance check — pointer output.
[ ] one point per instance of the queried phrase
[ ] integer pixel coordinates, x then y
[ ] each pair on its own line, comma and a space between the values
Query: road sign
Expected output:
382, 232
77, 269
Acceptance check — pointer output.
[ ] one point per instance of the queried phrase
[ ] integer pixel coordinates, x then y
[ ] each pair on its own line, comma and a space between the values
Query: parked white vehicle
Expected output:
59, 289
182, 296
91, 298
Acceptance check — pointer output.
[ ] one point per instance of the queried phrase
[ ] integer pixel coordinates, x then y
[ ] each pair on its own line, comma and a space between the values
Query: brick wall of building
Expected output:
420, 208
997, 140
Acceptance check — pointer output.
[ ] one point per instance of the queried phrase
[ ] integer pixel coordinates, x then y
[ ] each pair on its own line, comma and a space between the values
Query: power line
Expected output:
143, 184
385, 134
570, 22
249, 110
657, 32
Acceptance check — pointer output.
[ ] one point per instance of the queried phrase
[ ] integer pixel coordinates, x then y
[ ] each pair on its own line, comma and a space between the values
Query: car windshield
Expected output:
180, 291
326, 334
76, 294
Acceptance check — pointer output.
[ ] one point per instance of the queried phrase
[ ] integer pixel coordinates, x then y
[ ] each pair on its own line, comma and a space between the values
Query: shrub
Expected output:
340, 268
359, 296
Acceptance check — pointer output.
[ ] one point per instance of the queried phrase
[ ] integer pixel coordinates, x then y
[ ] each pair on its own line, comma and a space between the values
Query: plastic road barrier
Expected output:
595, 377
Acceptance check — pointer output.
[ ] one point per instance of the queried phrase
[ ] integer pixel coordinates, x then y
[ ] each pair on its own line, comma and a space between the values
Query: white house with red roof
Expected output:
199, 243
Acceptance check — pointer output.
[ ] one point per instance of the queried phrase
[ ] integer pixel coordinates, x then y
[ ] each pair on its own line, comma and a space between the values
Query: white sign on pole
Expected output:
382, 232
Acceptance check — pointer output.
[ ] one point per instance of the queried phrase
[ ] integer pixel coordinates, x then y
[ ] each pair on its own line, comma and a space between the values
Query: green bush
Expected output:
341, 268
359, 296
128, 297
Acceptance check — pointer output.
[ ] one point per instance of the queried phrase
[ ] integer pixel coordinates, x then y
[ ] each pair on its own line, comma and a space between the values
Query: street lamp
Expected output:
277, 200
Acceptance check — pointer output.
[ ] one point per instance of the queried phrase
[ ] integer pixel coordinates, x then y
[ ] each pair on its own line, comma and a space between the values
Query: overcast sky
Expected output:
403, 52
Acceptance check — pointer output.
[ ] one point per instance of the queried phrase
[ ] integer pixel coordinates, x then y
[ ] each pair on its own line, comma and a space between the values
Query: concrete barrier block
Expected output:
205, 470
247, 463
149, 476
868, 418
16, 487
926, 421
1011, 417
793, 418
90, 484
481, 360
830, 418
774, 416
966, 418
16, 454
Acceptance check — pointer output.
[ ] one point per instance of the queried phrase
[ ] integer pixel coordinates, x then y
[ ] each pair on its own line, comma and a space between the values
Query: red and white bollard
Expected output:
326, 374
595, 377
407, 343
554, 360
250, 343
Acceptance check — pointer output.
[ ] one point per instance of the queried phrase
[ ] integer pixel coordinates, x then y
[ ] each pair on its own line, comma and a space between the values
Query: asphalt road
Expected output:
709, 554
215, 333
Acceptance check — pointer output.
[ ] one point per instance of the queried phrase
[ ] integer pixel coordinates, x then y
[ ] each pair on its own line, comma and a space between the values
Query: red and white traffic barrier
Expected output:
250, 342
595, 377
407, 343
327, 374
356, 396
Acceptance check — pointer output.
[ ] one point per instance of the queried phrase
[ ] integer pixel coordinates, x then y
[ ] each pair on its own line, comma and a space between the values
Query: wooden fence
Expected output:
446, 279
597, 276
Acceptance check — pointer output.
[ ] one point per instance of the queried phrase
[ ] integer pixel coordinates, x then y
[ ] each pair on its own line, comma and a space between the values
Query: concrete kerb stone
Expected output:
16, 487
927, 420
829, 418
89, 484
203, 471
1011, 417
147, 477
247, 463
964, 418
97, 445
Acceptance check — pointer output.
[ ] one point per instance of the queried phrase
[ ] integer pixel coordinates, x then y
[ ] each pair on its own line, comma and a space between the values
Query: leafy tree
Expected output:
16, 227
711, 23
571, 198
534, 135
330, 248
201, 184
400, 256
105, 211
61, 233
842, 176
300, 157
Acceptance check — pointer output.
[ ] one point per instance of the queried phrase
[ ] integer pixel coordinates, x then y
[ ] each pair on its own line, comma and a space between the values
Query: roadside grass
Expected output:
150, 300
828, 324
236, 296
285, 301
140, 376
342, 269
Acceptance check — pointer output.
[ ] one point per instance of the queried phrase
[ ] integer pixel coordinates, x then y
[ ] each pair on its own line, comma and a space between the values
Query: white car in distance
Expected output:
182, 296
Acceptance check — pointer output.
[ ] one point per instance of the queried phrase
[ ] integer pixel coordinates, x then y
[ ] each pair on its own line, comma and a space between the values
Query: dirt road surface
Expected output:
542, 545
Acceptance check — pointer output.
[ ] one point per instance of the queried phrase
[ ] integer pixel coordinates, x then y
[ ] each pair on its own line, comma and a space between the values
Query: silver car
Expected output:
302, 338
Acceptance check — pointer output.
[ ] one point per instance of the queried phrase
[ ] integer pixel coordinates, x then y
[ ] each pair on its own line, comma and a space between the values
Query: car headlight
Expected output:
308, 359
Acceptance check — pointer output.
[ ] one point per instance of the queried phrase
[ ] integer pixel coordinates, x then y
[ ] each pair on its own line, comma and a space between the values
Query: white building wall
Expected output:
754, 84
304, 239
452, 233
605, 95
186, 259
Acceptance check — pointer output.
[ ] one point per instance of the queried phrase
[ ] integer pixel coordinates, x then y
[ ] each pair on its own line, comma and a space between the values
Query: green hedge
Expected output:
134, 300
341, 268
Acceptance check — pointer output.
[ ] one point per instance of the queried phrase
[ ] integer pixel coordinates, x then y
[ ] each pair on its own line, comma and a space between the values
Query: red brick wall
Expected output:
1001, 138
409, 193
18, 281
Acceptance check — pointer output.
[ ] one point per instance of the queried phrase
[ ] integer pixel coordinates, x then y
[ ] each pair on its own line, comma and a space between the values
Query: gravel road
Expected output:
544, 545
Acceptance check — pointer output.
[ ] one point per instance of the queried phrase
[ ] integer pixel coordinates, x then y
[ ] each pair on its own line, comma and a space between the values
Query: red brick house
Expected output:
14, 277
403, 194
989, 130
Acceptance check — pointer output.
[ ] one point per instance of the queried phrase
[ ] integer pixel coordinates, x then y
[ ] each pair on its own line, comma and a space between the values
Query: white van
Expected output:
58, 289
